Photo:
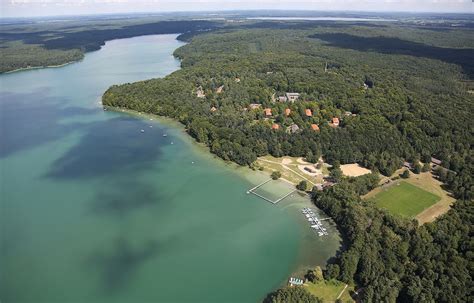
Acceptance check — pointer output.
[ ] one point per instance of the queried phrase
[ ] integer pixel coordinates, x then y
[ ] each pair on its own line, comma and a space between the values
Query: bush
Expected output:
303, 185
275, 175
314, 275
417, 168
405, 174
426, 167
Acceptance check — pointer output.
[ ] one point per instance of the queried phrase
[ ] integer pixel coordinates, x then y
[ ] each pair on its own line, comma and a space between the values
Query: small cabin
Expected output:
213, 109
268, 112
335, 121
308, 113
287, 112
436, 161
220, 89
315, 127
275, 126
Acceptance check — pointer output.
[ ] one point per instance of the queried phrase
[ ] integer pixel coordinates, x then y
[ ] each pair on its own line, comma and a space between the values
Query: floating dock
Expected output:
314, 221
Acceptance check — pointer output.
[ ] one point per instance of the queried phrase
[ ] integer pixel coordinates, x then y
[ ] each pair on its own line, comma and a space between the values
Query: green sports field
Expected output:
405, 199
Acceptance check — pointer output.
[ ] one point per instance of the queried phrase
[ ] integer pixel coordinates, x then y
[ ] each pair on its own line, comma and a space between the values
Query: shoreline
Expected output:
40, 67
305, 258
306, 248
245, 171
85, 53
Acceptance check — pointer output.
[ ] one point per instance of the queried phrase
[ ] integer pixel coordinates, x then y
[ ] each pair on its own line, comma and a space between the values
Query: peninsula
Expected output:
375, 94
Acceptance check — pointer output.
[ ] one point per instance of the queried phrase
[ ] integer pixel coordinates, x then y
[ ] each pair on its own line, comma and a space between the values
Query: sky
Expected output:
29, 8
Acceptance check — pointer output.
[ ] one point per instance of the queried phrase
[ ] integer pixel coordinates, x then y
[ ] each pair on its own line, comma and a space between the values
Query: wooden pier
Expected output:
254, 188
278, 200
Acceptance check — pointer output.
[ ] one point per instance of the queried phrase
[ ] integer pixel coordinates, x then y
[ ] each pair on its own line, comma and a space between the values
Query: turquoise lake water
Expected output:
95, 210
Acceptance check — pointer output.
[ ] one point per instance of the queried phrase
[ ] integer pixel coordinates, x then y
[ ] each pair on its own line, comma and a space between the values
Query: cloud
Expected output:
68, 7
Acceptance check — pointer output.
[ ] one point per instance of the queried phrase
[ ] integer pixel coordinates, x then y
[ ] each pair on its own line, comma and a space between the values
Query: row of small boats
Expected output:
313, 220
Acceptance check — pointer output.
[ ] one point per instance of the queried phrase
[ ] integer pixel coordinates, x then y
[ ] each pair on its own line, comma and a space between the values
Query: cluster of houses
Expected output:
291, 98
287, 97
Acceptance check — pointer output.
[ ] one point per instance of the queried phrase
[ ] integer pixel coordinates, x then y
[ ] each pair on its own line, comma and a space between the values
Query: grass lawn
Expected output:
329, 290
405, 199
288, 166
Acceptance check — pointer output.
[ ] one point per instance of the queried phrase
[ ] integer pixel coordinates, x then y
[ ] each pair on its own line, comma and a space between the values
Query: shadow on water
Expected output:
118, 264
384, 45
27, 124
127, 197
116, 267
109, 147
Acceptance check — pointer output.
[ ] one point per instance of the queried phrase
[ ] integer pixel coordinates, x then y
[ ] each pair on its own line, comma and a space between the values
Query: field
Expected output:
405, 199
427, 182
291, 169
354, 170
329, 291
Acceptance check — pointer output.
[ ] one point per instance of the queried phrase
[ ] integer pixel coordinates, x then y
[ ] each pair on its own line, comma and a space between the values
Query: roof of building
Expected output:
314, 126
287, 111
200, 92
308, 112
436, 161
268, 111
335, 120
275, 126
293, 128
213, 109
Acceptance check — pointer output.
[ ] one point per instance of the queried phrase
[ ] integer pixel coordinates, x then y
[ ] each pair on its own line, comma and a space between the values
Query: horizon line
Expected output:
238, 10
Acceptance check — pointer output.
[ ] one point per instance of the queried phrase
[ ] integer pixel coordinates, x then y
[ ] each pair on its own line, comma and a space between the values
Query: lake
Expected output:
99, 206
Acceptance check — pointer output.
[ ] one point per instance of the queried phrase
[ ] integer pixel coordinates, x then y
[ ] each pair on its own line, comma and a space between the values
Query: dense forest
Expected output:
391, 259
400, 93
402, 107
